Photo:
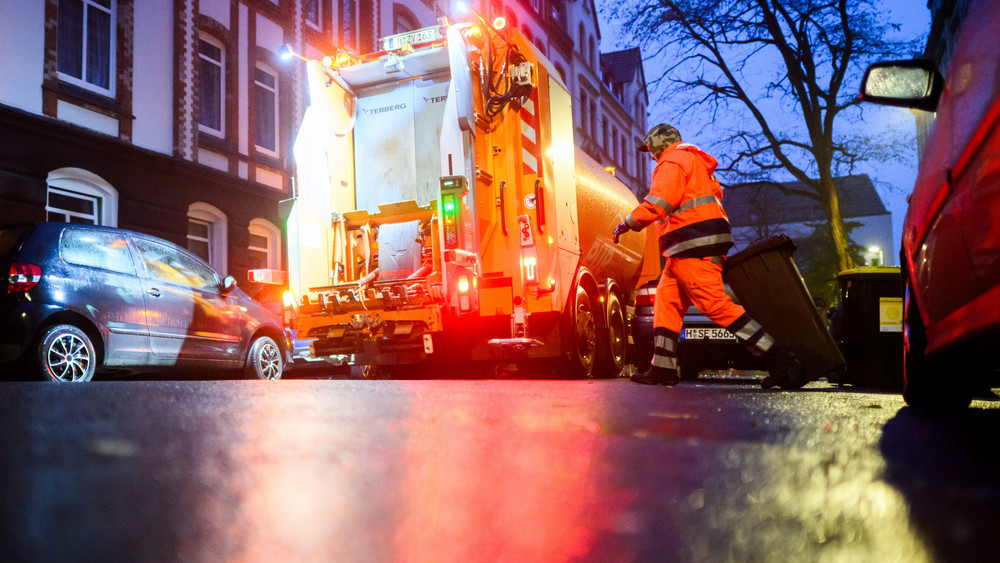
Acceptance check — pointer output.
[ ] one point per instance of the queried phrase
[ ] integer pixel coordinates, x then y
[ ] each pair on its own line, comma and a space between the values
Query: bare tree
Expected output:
771, 78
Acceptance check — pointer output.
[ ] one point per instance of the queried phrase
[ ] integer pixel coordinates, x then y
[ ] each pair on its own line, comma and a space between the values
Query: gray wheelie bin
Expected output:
768, 284
869, 327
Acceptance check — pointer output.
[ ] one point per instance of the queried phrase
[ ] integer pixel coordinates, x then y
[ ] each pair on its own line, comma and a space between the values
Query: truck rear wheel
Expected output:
613, 340
584, 328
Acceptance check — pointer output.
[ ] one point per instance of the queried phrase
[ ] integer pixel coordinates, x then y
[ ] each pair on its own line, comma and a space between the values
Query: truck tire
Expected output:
583, 328
613, 340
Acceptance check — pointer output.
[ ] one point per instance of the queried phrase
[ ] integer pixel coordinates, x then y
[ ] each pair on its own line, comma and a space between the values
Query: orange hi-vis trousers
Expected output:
698, 282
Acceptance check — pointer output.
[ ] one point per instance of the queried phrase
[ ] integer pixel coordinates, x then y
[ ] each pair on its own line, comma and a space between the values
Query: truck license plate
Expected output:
424, 35
708, 334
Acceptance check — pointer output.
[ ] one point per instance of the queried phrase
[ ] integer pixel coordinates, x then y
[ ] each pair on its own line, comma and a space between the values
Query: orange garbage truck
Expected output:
442, 214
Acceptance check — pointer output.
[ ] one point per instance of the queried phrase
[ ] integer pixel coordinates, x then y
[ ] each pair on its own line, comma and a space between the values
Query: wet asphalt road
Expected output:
347, 470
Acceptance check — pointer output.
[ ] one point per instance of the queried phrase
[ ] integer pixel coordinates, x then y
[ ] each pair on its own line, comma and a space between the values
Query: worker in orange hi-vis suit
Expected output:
685, 202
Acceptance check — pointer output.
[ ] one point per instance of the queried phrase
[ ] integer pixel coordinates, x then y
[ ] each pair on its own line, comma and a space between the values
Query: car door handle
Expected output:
154, 292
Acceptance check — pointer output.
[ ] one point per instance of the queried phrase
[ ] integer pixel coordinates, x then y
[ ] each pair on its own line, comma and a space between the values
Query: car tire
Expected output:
65, 353
583, 334
264, 360
925, 385
613, 340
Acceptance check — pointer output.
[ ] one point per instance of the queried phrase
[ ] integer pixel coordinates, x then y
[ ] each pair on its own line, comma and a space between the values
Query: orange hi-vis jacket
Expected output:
685, 201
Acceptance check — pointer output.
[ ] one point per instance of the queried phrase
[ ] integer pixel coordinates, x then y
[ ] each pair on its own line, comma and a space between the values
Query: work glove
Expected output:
620, 230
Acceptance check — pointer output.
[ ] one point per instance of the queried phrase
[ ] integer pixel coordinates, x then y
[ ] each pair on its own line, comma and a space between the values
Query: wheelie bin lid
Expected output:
869, 272
778, 242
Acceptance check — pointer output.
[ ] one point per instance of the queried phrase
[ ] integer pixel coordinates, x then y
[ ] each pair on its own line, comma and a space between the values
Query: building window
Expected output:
75, 195
403, 19
584, 106
207, 227
86, 44
593, 120
199, 238
212, 70
265, 245
64, 206
558, 12
314, 14
348, 23
605, 129
266, 111
624, 157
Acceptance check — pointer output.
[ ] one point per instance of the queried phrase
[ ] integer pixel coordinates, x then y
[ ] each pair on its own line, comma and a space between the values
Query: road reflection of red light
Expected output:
497, 482
460, 477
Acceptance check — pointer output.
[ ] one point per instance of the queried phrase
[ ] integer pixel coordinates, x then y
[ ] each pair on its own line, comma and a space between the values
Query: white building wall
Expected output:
153, 77
218, 10
22, 33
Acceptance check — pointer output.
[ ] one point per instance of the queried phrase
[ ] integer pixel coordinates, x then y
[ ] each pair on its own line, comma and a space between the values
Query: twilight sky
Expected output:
893, 182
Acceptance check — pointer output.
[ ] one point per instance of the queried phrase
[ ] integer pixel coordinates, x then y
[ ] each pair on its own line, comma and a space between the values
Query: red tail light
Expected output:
23, 277
645, 299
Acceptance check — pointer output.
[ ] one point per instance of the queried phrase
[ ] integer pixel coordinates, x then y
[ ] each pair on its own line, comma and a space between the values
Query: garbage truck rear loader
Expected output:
443, 213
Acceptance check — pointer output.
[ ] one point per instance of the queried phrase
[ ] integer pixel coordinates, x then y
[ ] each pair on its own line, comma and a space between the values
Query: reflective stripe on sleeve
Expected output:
661, 203
695, 202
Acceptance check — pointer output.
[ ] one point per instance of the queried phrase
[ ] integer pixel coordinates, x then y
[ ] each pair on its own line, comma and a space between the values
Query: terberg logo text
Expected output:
383, 109
435, 99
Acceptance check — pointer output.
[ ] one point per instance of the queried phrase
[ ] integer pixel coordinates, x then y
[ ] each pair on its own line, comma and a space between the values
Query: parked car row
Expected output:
84, 299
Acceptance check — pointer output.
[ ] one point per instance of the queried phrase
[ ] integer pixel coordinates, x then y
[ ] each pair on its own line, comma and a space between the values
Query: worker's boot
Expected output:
656, 376
783, 369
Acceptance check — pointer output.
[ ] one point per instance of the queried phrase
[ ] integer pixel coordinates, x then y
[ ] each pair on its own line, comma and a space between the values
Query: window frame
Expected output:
275, 92
80, 182
202, 127
218, 234
67, 213
266, 229
82, 81
314, 25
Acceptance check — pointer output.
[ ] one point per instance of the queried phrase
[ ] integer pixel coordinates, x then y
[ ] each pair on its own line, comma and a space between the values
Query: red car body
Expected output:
951, 234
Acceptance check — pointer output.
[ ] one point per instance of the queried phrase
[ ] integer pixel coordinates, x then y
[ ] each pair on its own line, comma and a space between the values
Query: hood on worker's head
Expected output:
710, 161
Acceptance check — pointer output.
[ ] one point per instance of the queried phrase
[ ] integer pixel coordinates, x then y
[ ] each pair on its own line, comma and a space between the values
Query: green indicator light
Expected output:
449, 206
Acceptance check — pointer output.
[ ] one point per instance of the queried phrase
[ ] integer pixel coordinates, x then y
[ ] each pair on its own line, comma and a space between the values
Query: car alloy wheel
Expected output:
65, 353
264, 360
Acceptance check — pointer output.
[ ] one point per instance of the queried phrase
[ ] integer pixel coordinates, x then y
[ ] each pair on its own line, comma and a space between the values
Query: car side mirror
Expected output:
912, 83
228, 285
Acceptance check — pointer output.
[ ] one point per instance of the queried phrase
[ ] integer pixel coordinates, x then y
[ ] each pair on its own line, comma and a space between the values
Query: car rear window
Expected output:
10, 239
97, 249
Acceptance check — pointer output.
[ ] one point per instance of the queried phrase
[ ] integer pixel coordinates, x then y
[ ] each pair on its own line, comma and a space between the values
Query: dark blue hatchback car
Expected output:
82, 299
